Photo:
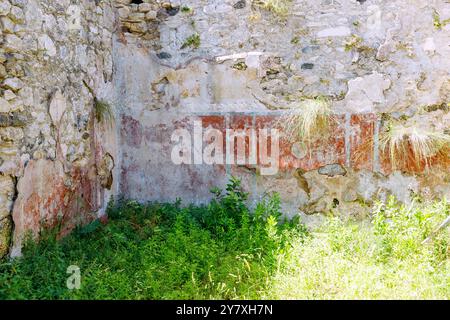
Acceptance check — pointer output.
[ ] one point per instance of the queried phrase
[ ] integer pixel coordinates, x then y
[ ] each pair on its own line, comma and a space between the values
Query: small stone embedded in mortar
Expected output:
240, 4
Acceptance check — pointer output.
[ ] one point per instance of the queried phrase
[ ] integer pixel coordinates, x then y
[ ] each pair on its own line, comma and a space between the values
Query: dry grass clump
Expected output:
280, 7
309, 119
411, 145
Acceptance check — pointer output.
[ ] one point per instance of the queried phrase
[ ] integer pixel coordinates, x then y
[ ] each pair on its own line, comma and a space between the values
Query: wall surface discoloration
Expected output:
49, 197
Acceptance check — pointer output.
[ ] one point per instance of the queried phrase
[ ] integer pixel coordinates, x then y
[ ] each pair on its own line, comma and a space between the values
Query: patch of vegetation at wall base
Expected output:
224, 250
160, 251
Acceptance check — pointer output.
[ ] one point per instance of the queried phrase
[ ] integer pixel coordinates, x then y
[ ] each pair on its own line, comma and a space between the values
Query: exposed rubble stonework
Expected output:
159, 66
50, 143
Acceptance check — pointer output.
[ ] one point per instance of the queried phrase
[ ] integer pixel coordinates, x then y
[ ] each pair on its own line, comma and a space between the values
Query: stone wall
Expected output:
235, 64
161, 65
51, 146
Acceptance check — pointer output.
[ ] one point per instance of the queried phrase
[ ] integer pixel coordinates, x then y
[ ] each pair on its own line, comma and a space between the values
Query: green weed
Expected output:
192, 41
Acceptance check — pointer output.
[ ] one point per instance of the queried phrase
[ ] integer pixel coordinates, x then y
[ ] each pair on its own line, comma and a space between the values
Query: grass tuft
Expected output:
308, 120
102, 109
103, 112
411, 145
279, 7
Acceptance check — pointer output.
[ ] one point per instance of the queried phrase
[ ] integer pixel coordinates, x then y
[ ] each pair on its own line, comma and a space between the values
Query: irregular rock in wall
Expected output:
7, 196
104, 171
140, 19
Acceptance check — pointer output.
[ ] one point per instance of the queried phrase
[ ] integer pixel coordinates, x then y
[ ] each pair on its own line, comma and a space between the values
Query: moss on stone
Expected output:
192, 41
5, 236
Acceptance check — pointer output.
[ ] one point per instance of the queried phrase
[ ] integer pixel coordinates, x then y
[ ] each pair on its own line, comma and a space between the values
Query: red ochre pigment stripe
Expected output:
352, 140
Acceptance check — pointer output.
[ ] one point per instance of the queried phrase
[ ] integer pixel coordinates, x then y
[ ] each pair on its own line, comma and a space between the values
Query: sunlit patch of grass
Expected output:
406, 145
381, 260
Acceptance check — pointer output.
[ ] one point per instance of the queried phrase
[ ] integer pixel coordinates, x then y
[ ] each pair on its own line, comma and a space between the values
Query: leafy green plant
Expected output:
186, 9
192, 41
437, 22
103, 112
160, 251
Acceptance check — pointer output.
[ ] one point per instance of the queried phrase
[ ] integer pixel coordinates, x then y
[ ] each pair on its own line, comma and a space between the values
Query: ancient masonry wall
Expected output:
55, 158
161, 65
